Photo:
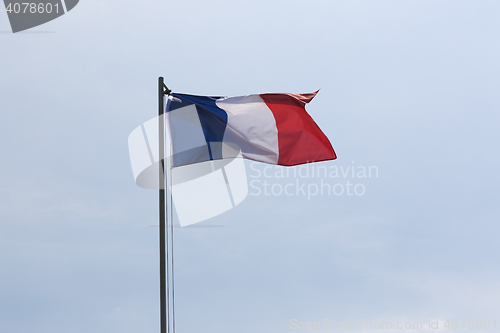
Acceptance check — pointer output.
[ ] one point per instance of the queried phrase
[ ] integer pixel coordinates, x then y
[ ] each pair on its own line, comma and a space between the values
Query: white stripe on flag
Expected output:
251, 126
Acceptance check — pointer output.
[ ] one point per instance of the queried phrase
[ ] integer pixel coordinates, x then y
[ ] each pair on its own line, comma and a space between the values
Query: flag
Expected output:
271, 128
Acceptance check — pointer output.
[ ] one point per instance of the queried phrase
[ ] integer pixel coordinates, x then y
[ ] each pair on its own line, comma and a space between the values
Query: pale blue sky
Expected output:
408, 86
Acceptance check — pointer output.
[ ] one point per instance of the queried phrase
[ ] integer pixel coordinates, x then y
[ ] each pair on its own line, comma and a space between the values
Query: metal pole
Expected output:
163, 273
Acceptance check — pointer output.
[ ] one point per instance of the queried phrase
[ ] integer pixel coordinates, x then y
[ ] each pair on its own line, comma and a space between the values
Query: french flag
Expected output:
271, 128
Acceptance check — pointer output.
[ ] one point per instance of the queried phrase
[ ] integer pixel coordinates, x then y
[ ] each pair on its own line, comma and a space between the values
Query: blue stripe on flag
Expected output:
213, 119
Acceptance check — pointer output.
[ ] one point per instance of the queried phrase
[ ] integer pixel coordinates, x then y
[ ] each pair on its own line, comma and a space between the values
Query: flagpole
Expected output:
161, 144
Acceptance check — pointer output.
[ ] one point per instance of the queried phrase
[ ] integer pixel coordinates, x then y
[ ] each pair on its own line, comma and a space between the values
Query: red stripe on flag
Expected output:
300, 140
